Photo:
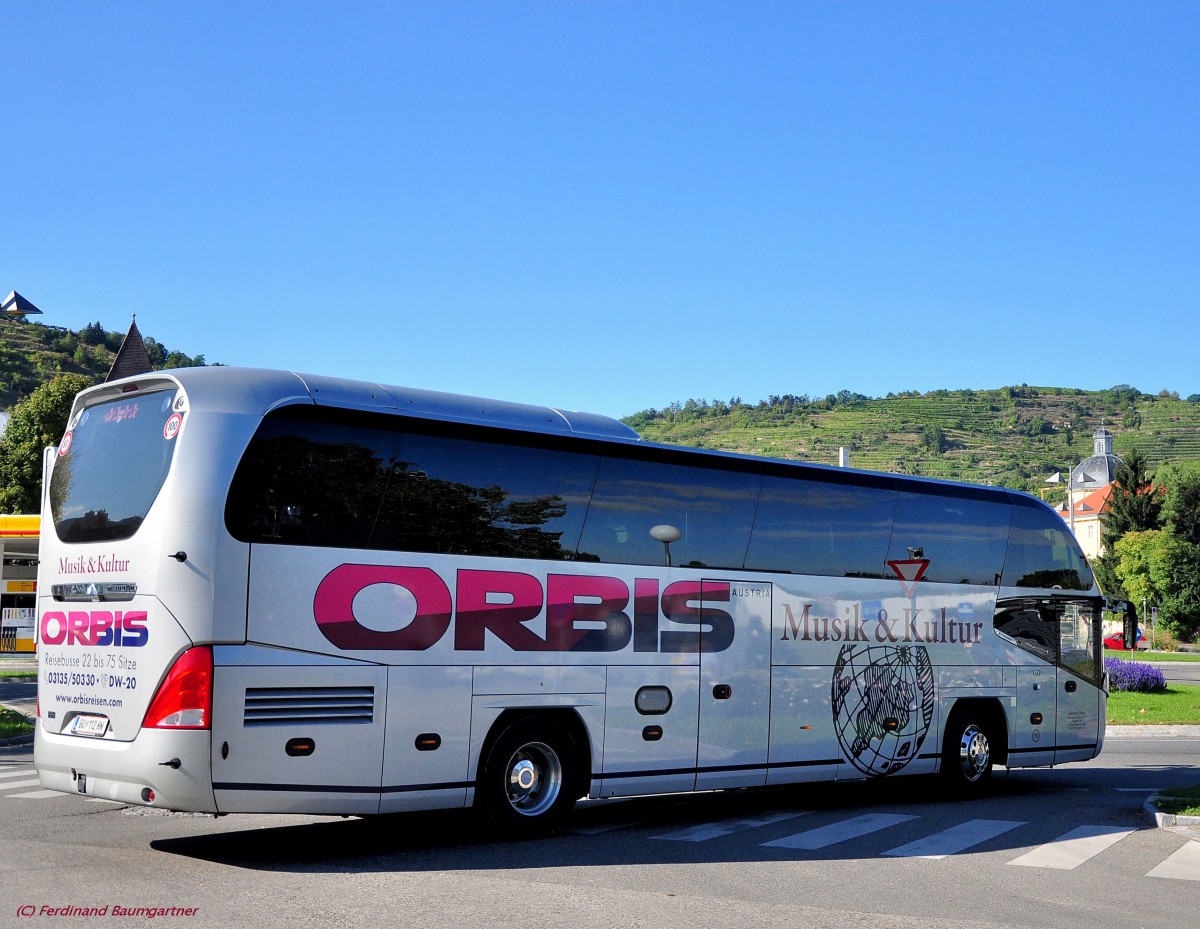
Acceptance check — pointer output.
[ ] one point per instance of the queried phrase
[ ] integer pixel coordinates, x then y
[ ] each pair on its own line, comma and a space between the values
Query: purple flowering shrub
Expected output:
1135, 676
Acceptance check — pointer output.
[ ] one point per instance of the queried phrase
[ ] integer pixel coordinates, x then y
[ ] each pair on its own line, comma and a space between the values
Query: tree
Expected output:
1140, 559
155, 352
1158, 568
933, 438
1179, 610
36, 422
1134, 506
93, 334
1135, 503
1181, 502
1105, 569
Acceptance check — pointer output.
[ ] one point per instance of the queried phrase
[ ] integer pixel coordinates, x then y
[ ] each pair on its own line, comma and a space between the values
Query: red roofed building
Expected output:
1089, 487
1086, 519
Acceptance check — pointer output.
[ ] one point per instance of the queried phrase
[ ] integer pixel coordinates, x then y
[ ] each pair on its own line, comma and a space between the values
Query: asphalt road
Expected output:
1067, 848
20, 695
1179, 672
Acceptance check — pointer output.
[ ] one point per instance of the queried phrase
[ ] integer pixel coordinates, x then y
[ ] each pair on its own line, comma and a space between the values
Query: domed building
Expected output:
1098, 471
1089, 488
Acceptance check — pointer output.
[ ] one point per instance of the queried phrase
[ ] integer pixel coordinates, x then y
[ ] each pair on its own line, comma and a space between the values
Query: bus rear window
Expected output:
111, 465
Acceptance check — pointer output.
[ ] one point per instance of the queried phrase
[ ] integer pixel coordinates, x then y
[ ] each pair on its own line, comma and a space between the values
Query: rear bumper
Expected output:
123, 771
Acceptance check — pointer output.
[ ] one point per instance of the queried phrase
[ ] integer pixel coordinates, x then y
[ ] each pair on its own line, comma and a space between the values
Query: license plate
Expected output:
93, 726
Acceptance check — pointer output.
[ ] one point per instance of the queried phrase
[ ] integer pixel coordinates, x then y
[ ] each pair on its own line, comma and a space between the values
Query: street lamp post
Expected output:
1056, 478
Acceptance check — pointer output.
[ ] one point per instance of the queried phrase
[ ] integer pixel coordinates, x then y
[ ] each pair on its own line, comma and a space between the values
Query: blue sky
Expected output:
613, 206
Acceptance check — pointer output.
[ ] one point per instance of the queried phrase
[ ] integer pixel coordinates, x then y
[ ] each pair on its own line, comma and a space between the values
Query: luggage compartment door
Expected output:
298, 738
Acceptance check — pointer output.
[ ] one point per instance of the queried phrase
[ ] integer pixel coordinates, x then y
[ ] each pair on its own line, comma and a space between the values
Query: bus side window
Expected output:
1030, 625
963, 536
1078, 639
459, 496
819, 527
309, 483
1041, 553
711, 509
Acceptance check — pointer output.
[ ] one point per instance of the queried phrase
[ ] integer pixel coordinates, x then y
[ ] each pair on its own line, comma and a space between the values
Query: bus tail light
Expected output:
184, 701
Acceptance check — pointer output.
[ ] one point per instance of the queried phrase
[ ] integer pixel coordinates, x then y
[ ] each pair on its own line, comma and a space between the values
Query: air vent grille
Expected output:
296, 706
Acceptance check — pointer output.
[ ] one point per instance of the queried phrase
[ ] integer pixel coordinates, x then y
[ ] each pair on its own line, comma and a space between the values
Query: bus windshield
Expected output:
111, 465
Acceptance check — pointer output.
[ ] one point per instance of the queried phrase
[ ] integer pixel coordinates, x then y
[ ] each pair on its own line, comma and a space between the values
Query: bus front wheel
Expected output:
967, 751
525, 787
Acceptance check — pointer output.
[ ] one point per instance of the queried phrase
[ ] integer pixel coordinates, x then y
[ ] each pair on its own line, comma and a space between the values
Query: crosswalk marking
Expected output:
705, 831
1073, 848
32, 782
1066, 852
1183, 865
955, 839
825, 836
600, 828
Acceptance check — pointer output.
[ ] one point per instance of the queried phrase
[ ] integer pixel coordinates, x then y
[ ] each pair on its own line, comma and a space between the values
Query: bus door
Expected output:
1078, 718
1032, 735
1032, 625
735, 684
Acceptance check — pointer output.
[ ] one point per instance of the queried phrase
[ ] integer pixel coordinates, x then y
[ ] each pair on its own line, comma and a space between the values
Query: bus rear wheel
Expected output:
967, 752
526, 786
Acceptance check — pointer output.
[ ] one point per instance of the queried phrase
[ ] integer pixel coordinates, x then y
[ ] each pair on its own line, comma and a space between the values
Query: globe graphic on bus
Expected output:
882, 705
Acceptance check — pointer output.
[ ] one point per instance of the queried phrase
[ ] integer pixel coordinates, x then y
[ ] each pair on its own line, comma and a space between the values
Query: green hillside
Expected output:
1012, 436
32, 354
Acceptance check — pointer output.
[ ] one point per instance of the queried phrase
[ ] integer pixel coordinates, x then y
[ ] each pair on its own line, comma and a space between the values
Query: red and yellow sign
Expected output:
20, 527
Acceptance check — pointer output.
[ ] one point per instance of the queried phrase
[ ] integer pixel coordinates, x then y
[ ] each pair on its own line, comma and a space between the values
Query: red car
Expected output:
1117, 641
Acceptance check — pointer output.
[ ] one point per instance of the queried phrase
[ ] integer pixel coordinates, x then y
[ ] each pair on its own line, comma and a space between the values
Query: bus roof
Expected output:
261, 390
226, 388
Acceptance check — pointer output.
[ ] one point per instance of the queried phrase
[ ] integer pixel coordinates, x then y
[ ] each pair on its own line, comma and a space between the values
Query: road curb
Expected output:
1152, 731
1188, 826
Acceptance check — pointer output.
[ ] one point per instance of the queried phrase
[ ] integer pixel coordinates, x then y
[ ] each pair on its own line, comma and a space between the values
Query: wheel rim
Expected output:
533, 778
974, 753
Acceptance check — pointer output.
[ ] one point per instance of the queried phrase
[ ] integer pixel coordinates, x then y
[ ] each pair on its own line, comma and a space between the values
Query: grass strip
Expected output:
13, 724
1182, 801
1178, 705
1150, 656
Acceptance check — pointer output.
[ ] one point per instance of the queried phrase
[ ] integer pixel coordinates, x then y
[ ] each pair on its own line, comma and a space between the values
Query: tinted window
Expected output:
1061, 631
111, 466
963, 538
309, 480
1078, 639
711, 510
311, 483
460, 496
1041, 553
1031, 625
815, 527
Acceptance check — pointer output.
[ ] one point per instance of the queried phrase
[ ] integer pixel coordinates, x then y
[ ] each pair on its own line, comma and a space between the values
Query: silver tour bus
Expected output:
273, 592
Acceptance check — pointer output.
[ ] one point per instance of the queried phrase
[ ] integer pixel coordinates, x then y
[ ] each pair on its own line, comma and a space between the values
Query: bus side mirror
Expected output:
1130, 628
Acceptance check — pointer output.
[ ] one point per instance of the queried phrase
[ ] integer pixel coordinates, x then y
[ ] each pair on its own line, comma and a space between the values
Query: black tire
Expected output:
967, 752
527, 782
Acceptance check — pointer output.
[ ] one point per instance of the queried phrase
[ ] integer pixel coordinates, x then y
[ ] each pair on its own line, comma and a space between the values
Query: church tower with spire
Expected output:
131, 359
